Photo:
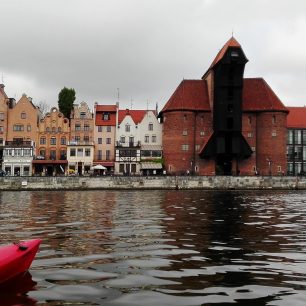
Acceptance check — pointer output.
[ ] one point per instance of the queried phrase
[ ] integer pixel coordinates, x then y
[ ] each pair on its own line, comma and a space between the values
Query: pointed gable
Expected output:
136, 115
189, 95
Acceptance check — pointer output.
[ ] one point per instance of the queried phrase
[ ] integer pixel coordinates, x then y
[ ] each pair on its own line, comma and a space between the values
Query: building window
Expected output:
53, 154
153, 138
99, 140
121, 168
87, 152
100, 128
304, 152
82, 115
17, 152
63, 155
42, 152
185, 133
150, 127
253, 149
122, 139
279, 168
29, 128
197, 148
297, 136
47, 129
105, 116
250, 120
202, 133
54, 129
127, 128
1, 129
99, 154
77, 127
23, 115
273, 119
107, 154
77, 138
185, 147
80, 152
250, 135
26, 152
146, 139
131, 141
1, 116
53, 141
86, 138
86, 127
108, 140
274, 134
59, 129
18, 127
108, 128
290, 136
63, 140
42, 140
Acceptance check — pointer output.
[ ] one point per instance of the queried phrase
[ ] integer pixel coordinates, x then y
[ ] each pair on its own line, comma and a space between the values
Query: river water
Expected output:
159, 247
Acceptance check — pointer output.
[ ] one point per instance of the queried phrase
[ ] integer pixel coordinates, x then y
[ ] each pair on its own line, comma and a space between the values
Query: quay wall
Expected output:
152, 182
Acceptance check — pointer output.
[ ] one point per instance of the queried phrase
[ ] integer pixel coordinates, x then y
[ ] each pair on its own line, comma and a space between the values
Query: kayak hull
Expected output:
16, 259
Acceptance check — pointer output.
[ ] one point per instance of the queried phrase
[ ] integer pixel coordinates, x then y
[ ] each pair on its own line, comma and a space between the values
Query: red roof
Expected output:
296, 117
100, 109
193, 95
105, 108
232, 42
258, 96
137, 115
189, 95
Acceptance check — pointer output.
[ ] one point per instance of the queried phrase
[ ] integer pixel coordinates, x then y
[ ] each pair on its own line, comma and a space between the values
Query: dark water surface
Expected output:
159, 247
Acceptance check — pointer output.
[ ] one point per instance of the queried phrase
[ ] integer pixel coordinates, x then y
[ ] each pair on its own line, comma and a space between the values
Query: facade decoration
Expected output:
53, 134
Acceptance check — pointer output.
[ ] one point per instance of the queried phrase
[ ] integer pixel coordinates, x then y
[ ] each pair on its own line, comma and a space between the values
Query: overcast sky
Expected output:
145, 47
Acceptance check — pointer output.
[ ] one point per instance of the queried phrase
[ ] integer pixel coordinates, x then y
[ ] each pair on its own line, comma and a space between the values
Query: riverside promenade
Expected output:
153, 182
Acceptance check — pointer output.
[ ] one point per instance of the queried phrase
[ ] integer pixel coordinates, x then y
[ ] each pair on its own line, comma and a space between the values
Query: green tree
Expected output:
66, 98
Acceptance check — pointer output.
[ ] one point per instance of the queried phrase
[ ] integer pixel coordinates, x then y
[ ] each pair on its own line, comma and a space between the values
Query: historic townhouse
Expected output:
224, 124
296, 141
106, 119
80, 148
150, 135
21, 138
53, 134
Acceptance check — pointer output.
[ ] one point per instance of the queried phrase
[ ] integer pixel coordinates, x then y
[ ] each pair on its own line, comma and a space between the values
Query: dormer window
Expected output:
105, 116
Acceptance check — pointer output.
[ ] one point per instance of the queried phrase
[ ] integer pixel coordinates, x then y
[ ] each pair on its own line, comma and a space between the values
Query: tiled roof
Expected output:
105, 108
232, 42
189, 95
193, 95
296, 117
258, 96
137, 115
100, 109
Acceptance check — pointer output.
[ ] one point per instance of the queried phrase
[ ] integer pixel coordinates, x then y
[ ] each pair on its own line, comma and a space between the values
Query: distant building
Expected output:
106, 119
80, 148
53, 136
296, 141
4, 105
224, 124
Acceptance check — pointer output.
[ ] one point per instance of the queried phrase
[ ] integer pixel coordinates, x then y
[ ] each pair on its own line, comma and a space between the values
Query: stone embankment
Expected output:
152, 182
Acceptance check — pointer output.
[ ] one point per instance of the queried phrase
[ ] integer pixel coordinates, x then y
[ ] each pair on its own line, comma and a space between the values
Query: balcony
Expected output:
135, 144
19, 143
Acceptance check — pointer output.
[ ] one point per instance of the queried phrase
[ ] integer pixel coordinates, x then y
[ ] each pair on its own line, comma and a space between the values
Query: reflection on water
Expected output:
159, 247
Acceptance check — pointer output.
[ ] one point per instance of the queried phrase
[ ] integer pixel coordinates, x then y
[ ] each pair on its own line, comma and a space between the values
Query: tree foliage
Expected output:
66, 99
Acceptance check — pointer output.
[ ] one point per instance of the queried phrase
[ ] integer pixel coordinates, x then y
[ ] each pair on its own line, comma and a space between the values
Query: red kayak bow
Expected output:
15, 259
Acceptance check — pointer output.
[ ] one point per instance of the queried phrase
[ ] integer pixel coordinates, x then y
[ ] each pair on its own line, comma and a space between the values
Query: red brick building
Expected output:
224, 124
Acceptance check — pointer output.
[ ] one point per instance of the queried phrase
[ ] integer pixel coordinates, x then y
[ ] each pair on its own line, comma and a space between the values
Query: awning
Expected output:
151, 148
105, 164
148, 166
